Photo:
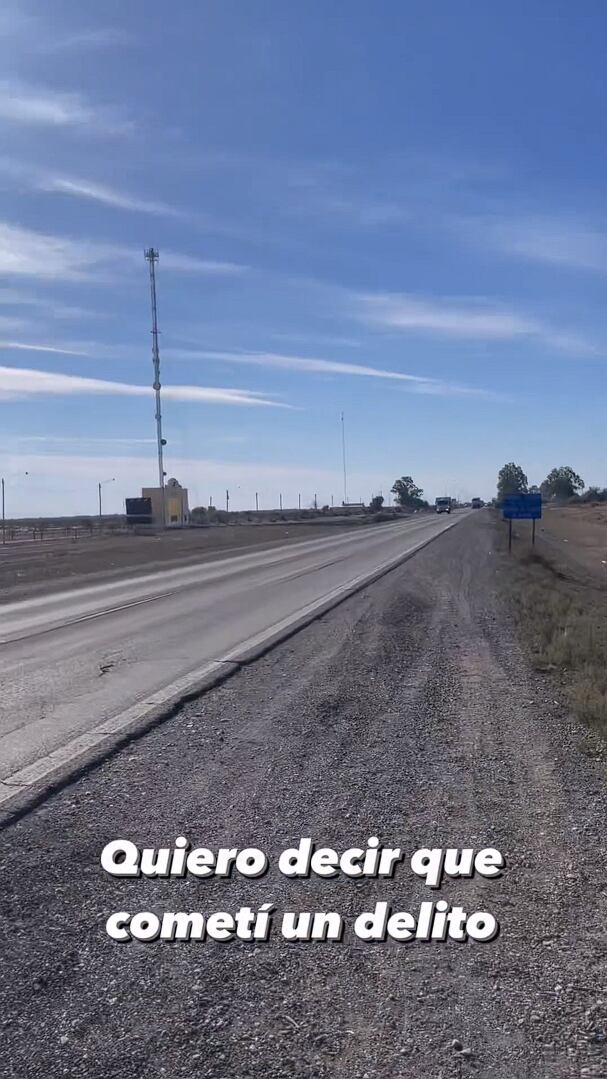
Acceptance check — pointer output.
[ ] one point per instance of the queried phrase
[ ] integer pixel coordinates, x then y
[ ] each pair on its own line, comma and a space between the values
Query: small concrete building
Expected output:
175, 500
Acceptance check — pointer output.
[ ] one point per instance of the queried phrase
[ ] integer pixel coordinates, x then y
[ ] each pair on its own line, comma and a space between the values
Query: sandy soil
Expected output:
576, 535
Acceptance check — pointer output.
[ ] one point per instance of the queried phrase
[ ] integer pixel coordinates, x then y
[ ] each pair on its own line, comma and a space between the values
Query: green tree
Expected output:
407, 493
376, 503
562, 483
511, 480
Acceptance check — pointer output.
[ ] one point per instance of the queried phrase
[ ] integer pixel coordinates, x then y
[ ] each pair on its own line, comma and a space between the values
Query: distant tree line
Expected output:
561, 484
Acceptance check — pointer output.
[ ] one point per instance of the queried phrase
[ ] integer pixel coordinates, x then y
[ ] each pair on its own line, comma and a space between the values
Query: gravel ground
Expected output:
409, 713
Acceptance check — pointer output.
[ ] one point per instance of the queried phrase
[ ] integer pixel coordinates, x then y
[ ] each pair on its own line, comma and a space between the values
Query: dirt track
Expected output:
409, 713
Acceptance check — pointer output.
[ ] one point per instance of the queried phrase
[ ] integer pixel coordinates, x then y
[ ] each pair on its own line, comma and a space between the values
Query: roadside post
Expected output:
521, 507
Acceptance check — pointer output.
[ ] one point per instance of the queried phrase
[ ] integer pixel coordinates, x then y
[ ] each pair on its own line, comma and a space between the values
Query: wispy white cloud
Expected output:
24, 346
444, 317
560, 240
366, 212
17, 382
475, 319
296, 363
11, 297
172, 260
417, 383
38, 107
86, 38
39, 255
109, 196
35, 254
450, 389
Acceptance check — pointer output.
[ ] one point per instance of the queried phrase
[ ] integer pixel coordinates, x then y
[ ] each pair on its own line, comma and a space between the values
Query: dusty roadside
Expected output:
410, 713
577, 535
557, 592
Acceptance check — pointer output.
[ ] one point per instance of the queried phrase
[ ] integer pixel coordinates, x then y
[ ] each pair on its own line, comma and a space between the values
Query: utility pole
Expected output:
152, 257
280, 502
227, 500
299, 501
256, 501
343, 450
100, 485
3, 517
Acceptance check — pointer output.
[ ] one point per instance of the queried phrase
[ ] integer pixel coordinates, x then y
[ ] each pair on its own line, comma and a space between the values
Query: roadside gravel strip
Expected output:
409, 712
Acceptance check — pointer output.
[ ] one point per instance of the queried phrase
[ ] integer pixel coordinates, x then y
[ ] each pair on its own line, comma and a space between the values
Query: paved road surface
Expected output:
410, 713
73, 660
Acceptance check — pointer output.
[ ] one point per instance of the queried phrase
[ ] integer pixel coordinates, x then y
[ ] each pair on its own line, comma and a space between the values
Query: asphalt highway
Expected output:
70, 661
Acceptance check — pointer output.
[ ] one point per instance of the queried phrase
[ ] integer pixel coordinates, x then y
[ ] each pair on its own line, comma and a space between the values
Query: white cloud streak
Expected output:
18, 382
11, 297
37, 107
108, 196
297, 363
24, 346
478, 320
24, 252
560, 241
416, 383
92, 38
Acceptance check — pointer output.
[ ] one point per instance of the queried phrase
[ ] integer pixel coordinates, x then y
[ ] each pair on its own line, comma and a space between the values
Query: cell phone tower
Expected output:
152, 257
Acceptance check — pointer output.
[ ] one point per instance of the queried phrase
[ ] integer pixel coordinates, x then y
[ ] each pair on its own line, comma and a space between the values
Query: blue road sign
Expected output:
521, 507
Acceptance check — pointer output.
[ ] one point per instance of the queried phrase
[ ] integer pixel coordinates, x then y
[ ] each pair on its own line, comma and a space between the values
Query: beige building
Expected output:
175, 500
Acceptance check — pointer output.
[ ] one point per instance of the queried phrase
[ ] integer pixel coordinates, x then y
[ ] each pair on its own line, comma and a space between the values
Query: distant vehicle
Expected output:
477, 503
443, 505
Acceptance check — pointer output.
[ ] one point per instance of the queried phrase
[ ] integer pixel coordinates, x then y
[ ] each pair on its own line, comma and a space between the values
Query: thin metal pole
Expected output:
256, 501
299, 502
227, 500
343, 450
152, 257
280, 501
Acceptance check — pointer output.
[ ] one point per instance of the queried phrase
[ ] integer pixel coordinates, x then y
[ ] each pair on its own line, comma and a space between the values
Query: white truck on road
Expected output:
443, 505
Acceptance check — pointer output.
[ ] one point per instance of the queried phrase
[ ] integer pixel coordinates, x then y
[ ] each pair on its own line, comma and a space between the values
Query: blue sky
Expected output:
396, 210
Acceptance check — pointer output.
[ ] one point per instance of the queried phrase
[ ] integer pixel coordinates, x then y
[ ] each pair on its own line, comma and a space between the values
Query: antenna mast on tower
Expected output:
152, 257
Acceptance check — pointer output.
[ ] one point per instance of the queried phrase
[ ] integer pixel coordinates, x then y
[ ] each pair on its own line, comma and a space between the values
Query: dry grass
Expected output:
564, 622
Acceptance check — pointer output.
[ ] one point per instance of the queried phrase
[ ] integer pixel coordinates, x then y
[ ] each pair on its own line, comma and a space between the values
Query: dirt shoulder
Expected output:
576, 535
410, 713
42, 566
557, 591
